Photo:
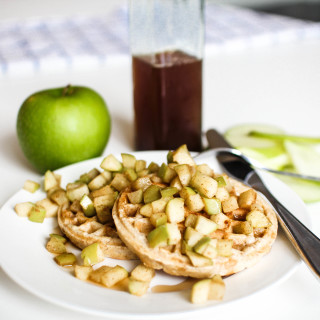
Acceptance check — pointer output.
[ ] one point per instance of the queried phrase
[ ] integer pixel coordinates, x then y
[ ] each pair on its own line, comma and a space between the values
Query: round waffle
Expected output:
83, 231
247, 249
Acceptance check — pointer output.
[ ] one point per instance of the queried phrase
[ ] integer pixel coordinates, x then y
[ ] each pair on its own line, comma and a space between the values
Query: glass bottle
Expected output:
166, 40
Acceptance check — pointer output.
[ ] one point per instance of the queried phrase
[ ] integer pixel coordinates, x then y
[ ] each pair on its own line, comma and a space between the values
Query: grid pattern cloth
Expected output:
60, 43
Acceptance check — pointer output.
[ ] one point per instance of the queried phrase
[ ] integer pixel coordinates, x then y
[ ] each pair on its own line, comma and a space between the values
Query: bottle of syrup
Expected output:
167, 48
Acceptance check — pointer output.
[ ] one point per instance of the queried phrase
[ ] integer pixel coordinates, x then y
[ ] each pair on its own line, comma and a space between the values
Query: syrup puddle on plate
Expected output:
184, 285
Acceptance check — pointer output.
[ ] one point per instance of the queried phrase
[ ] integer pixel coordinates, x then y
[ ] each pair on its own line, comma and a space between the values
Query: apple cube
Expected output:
97, 274
198, 260
37, 214
217, 288
141, 183
113, 276
212, 206
190, 220
206, 247
92, 254
186, 191
247, 199
31, 186
168, 192
230, 204
135, 197
166, 173
182, 156
138, 287
58, 237
23, 209
82, 272
103, 191
224, 247
205, 225
111, 163
221, 181
204, 169
222, 194
153, 167
55, 246
130, 174
192, 236
151, 194
175, 210
143, 173
146, 210
120, 182
157, 219
183, 173
194, 203
257, 219
174, 234
100, 181
89, 176
50, 180
200, 291
50, 207
204, 184
75, 191
221, 220
65, 259
140, 165
87, 206
243, 227
175, 183
128, 161
142, 273
59, 196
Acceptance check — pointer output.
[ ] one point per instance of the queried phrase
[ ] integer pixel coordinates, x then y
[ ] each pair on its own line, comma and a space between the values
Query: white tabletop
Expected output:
277, 85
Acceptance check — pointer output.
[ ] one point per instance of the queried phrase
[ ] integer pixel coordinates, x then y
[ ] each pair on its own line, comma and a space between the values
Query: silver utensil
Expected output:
238, 166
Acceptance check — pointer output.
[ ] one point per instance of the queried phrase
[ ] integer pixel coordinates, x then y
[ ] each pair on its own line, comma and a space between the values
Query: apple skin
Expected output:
60, 126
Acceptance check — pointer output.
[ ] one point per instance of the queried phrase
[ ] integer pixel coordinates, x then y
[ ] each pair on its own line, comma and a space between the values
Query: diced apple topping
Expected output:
92, 254
111, 163
31, 186
257, 219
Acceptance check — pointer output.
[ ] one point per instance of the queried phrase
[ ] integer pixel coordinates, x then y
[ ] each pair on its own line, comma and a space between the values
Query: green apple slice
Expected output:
284, 137
305, 158
309, 191
240, 136
274, 157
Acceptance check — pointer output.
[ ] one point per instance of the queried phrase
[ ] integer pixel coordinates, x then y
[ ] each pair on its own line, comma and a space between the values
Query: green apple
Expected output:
60, 126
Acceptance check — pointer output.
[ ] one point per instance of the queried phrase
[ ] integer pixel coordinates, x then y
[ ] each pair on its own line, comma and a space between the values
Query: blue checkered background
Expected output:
59, 43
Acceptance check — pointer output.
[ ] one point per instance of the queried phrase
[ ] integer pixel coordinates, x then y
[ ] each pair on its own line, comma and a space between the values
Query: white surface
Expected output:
95, 300
277, 85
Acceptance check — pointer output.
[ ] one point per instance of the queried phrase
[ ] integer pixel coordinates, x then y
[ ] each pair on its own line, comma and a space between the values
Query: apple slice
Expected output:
309, 191
305, 158
274, 157
284, 137
240, 136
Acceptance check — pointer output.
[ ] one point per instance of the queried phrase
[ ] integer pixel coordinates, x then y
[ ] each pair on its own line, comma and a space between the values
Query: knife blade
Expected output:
236, 165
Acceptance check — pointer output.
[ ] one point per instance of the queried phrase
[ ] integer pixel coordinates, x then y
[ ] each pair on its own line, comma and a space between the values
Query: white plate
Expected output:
24, 258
